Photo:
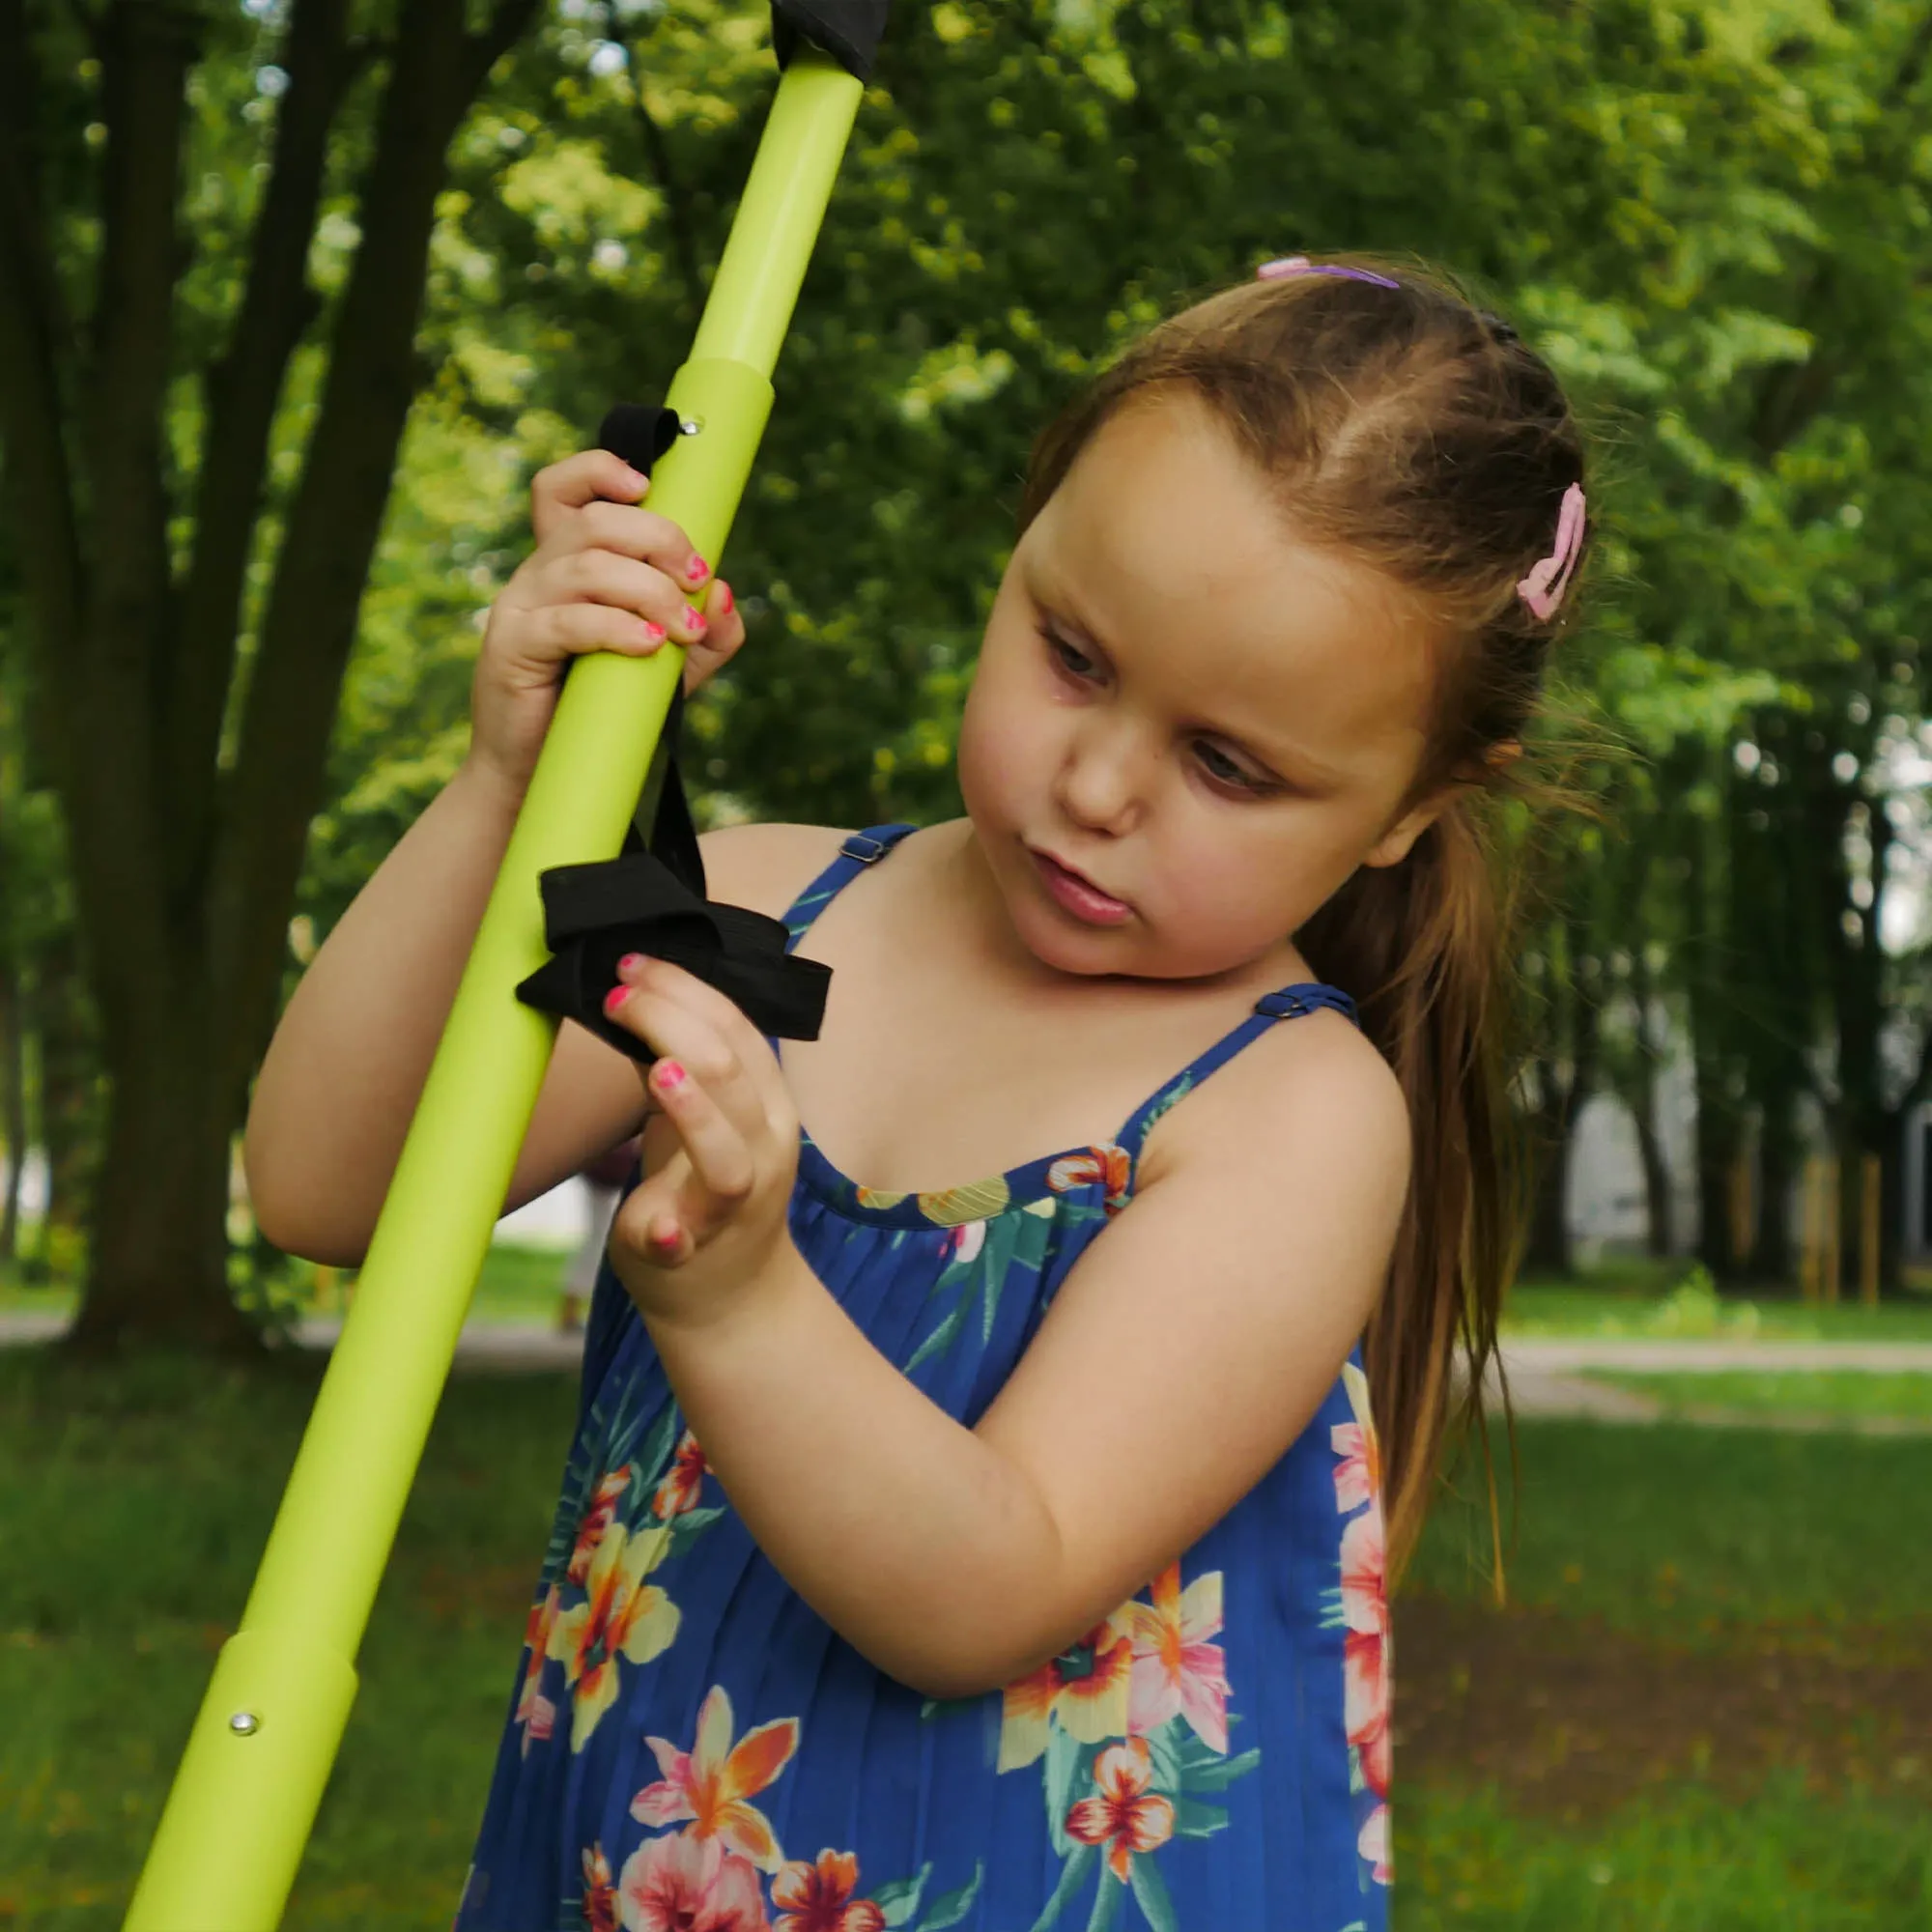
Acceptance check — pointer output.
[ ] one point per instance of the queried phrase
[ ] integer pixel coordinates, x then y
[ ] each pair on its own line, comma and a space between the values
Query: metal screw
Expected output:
689, 425
244, 1724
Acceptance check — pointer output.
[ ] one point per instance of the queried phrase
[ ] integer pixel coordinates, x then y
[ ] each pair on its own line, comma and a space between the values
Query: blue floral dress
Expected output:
691, 1748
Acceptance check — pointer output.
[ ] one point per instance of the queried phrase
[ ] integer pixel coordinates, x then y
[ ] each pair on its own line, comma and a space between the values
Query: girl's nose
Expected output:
1102, 781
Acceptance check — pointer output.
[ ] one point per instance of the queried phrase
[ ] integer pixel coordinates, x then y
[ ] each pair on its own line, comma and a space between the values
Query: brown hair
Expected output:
1407, 429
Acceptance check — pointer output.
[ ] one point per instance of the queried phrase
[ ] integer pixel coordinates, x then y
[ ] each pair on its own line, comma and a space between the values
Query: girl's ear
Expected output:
1393, 846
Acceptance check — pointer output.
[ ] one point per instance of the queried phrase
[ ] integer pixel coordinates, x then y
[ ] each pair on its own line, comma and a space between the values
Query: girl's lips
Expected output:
1078, 894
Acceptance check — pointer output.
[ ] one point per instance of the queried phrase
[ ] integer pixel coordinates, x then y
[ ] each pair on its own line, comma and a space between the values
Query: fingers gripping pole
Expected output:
245, 1798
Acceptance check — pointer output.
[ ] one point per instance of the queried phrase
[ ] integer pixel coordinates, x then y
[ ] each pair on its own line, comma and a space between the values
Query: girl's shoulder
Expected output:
764, 866
1315, 1076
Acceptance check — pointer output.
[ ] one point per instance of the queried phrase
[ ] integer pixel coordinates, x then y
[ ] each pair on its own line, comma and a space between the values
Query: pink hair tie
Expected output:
1537, 589
1300, 265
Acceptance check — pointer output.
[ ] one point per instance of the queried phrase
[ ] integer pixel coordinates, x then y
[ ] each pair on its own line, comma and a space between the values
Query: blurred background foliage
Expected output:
1709, 216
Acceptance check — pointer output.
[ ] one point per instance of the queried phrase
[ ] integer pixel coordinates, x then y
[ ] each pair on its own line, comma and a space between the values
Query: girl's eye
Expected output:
1223, 772
1064, 650
1233, 774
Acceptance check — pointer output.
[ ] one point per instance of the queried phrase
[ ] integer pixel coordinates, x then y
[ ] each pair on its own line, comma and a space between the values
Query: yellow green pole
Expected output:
225, 1854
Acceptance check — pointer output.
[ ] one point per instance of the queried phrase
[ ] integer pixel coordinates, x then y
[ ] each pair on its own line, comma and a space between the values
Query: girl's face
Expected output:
1210, 721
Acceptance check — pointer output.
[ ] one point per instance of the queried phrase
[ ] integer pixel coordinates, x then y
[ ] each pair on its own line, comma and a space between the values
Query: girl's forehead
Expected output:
1165, 534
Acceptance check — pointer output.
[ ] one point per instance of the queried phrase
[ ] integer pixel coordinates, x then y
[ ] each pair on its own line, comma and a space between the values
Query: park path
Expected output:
1548, 1376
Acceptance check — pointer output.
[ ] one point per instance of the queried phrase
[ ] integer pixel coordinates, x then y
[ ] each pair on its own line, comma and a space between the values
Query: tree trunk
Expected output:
186, 859
14, 1078
1560, 1092
1660, 1215
70, 1091
158, 1253
1549, 1250
1779, 1155
1714, 1018
1718, 1139
1863, 1124
1661, 1232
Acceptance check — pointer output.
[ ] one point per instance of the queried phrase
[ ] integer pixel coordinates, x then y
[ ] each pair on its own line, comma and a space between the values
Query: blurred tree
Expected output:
178, 229
14, 1126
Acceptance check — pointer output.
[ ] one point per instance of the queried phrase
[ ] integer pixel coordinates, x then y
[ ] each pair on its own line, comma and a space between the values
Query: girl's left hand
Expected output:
696, 1236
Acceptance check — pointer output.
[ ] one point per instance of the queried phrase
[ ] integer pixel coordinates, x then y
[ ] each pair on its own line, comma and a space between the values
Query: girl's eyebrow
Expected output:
1275, 751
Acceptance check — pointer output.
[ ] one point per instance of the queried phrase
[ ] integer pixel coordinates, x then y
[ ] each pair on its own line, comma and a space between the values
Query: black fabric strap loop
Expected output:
652, 898
595, 914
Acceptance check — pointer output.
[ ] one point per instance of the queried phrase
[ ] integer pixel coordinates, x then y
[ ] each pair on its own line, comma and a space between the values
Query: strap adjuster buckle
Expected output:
865, 848
1282, 1005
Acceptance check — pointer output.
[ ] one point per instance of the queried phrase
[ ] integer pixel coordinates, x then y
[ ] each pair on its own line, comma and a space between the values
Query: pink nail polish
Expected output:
669, 1074
698, 571
721, 596
630, 962
693, 619
654, 632
615, 998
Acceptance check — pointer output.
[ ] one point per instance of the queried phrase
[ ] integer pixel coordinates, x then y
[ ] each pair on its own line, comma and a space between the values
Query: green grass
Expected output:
1701, 1536
52, 1298
1641, 1300
1822, 1392
517, 1284
520, 1284
1687, 1861
133, 1512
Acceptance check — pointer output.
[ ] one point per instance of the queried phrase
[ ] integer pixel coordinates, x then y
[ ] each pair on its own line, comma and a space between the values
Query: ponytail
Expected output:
1425, 947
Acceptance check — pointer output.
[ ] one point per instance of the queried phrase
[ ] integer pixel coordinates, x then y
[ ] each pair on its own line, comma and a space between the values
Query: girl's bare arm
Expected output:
345, 1067
1185, 1351
347, 1064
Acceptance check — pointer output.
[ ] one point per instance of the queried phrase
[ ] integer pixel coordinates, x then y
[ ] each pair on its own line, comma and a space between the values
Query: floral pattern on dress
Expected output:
1126, 1817
817, 1897
629, 1504
600, 1891
1133, 1724
1361, 1608
983, 1259
621, 1616
709, 1783
711, 1876
535, 1714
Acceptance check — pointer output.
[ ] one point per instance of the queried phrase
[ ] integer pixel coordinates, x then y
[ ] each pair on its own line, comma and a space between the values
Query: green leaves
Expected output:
1073, 1875
900, 1900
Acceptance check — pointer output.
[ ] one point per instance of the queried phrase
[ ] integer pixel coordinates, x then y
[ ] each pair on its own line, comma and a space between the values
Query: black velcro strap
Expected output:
595, 914
848, 30
641, 434
652, 898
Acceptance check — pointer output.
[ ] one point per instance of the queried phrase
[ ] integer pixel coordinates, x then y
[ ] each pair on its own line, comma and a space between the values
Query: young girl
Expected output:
1012, 1554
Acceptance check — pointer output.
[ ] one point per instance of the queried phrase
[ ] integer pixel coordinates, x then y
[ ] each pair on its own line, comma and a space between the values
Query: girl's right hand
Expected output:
606, 576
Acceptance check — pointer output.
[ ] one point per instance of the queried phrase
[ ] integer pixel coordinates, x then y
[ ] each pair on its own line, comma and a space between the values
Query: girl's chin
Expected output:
1067, 945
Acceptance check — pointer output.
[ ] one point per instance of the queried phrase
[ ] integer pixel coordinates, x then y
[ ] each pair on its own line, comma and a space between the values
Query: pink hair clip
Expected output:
1537, 589
1300, 265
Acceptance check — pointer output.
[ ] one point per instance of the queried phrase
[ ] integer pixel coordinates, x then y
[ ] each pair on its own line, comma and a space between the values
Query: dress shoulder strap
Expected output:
1286, 1002
863, 848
